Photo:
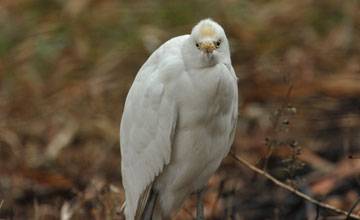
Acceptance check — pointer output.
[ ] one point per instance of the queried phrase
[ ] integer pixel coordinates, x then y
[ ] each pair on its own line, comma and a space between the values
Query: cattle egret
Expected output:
178, 123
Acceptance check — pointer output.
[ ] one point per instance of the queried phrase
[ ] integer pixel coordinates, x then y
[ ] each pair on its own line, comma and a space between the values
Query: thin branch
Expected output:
291, 189
36, 210
317, 212
352, 209
271, 147
268, 155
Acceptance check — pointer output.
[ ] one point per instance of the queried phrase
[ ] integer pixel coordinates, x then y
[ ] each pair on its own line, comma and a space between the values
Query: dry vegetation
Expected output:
66, 67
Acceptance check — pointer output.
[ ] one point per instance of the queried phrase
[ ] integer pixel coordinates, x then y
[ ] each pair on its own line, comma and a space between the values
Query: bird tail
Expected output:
142, 202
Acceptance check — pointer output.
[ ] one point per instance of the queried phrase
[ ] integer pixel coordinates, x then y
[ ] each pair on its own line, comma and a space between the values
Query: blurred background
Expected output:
67, 65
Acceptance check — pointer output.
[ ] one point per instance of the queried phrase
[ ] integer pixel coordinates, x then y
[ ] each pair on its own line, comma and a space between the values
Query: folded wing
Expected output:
146, 136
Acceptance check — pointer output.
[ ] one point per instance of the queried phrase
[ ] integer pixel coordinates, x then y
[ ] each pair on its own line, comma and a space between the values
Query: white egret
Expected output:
178, 123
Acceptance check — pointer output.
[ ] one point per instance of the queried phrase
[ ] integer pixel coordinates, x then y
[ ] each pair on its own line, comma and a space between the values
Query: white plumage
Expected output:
179, 120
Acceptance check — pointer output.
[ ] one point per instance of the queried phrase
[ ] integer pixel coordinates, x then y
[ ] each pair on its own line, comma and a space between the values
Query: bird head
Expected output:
209, 42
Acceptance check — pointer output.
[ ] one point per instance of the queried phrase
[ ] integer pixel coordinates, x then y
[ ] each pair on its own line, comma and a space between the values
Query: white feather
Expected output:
178, 123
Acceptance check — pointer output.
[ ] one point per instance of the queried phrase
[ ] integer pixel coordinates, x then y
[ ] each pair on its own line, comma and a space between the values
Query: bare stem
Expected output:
291, 189
268, 155
352, 209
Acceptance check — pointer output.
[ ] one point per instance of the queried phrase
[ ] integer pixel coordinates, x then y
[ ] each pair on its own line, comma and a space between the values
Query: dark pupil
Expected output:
218, 43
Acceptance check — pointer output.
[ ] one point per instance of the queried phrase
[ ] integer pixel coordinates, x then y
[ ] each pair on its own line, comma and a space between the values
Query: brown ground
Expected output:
66, 67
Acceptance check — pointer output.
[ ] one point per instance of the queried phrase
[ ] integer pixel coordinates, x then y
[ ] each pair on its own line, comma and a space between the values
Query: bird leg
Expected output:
150, 206
200, 205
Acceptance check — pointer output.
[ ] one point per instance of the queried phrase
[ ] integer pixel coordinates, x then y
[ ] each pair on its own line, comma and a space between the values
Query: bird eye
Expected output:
197, 45
218, 43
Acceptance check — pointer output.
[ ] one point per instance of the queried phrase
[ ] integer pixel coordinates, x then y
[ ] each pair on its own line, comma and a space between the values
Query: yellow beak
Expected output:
208, 47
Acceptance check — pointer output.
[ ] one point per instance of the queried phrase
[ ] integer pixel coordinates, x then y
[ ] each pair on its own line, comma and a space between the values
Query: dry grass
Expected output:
66, 67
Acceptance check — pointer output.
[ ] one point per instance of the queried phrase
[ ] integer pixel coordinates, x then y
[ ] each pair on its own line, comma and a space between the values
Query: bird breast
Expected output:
205, 100
204, 95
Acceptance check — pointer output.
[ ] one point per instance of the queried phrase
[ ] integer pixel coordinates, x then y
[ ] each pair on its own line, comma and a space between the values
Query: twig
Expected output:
67, 210
317, 212
291, 189
268, 155
271, 147
36, 210
1, 203
352, 209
